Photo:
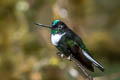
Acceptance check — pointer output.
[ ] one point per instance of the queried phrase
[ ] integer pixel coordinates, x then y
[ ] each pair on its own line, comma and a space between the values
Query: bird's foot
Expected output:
60, 54
69, 57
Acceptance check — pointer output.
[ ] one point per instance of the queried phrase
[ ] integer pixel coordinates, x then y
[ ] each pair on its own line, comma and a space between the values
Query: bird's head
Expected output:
56, 27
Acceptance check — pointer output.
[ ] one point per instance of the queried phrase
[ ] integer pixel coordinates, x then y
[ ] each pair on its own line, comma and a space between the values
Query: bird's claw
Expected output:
69, 57
60, 54
63, 56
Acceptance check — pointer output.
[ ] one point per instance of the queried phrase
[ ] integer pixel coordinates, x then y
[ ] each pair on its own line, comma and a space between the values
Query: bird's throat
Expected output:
54, 31
56, 38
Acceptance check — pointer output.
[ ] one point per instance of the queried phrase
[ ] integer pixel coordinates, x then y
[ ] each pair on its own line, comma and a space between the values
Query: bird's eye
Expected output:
60, 26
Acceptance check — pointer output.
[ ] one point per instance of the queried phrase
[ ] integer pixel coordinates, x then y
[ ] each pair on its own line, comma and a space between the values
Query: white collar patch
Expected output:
56, 38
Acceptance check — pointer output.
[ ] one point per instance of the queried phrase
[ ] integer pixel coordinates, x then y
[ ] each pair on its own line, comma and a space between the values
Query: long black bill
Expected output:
43, 25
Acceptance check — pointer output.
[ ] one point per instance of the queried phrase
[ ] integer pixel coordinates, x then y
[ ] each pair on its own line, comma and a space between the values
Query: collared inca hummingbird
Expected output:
71, 45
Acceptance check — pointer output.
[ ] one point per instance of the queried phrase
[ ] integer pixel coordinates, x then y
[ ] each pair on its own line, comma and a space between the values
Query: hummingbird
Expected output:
71, 46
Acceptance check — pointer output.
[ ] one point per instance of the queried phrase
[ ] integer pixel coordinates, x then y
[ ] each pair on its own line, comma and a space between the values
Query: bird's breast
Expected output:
56, 38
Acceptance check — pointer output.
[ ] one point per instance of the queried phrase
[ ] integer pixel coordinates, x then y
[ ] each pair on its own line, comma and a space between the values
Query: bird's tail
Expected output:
99, 66
93, 61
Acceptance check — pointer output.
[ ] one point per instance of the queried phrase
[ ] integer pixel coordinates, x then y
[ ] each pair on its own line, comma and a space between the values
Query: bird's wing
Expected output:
78, 55
84, 51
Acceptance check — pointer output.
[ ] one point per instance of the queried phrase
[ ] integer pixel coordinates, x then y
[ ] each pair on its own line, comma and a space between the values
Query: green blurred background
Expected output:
26, 52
